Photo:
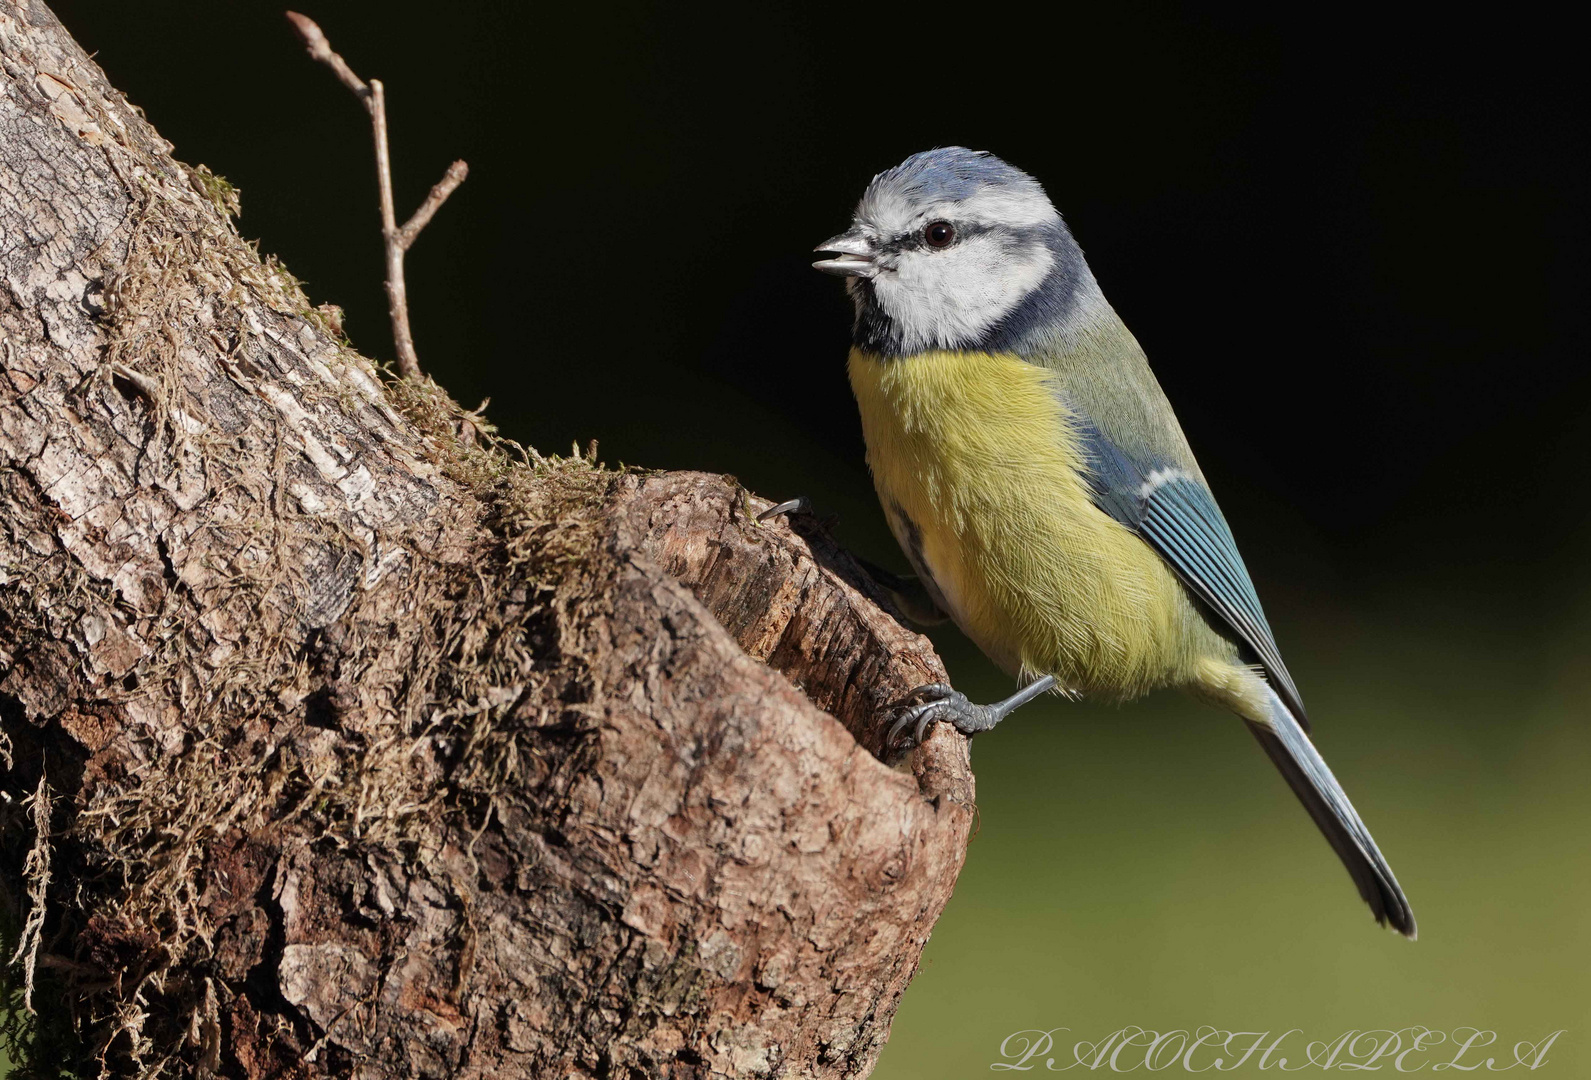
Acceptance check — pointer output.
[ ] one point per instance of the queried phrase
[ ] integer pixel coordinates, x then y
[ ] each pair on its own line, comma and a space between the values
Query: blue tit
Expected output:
1037, 479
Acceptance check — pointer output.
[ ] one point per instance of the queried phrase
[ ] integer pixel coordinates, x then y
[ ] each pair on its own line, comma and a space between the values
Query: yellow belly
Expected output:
978, 468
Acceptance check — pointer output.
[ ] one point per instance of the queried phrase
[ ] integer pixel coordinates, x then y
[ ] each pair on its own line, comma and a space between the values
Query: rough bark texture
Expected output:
335, 742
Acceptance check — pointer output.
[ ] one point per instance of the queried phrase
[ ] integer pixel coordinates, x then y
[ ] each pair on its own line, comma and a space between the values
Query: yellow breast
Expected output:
980, 471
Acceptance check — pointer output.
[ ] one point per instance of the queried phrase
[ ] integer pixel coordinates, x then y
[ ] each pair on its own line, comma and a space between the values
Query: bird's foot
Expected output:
798, 505
927, 705
908, 592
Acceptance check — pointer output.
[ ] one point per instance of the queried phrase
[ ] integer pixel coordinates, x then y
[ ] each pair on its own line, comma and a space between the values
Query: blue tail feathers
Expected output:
1311, 779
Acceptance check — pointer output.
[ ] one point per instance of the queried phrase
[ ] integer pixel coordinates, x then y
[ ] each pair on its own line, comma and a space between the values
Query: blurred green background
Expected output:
1355, 252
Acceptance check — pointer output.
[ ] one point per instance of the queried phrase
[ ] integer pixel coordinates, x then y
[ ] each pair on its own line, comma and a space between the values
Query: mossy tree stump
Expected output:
339, 738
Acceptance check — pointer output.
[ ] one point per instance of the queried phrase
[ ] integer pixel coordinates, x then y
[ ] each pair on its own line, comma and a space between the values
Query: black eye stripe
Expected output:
914, 241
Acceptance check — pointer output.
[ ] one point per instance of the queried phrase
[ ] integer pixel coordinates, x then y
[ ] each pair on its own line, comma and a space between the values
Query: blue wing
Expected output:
1176, 514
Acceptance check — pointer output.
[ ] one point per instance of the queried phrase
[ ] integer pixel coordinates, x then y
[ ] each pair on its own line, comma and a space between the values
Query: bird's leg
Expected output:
908, 592
937, 701
798, 505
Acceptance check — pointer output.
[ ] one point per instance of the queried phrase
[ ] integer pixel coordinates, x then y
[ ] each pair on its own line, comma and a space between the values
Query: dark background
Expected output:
1353, 249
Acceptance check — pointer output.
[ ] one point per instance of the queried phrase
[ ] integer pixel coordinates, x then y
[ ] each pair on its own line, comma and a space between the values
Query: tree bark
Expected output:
338, 738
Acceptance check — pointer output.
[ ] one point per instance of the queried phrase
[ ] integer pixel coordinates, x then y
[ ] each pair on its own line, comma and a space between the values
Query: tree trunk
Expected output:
340, 738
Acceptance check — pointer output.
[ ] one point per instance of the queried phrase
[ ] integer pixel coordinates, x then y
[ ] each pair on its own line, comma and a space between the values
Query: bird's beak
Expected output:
852, 256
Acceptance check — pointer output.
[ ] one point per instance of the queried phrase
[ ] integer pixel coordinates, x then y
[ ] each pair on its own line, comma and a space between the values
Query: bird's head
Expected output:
951, 249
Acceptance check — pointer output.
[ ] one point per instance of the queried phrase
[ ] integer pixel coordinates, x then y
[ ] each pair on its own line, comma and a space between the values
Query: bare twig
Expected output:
320, 49
397, 241
444, 187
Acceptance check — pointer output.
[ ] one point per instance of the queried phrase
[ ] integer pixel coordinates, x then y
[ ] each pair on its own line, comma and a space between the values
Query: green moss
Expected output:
223, 195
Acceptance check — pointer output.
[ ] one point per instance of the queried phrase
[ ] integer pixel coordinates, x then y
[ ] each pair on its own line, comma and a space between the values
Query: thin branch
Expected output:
320, 49
444, 187
396, 241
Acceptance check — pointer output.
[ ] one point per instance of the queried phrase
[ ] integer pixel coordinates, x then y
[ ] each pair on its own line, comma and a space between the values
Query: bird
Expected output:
1035, 476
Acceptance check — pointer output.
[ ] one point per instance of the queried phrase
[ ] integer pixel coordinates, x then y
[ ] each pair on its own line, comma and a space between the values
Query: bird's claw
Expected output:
893, 739
933, 689
943, 703
798, 505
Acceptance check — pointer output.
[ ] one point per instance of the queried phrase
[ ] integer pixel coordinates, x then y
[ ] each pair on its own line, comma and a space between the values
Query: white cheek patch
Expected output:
950, 298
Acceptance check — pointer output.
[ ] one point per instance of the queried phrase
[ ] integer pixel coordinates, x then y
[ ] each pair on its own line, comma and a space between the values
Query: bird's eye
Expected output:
939, 234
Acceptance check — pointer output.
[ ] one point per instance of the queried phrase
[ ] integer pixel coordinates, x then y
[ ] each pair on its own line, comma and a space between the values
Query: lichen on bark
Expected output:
357, 739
